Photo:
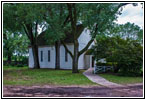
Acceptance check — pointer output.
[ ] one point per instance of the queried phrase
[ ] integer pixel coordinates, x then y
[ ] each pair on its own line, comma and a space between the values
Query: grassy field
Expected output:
26, 76
121, 79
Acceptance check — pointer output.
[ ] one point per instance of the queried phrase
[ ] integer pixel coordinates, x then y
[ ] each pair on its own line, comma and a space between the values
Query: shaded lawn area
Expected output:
25, 76
121, 79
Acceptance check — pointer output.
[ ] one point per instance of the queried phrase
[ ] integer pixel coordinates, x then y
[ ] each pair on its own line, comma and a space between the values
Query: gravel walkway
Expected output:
99, 80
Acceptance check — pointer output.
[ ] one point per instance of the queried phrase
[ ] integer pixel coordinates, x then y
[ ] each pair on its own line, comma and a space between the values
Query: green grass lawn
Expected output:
121, 79
26, 76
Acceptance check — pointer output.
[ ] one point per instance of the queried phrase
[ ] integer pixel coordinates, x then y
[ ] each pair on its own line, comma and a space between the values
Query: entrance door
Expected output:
93, 61
87, 61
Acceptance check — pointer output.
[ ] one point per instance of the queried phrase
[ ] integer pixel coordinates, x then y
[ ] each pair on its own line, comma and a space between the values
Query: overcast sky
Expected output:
133, 14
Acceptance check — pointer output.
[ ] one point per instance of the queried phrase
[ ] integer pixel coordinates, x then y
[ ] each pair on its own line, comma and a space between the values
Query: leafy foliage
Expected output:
55, 17
126, 31
127, 53
16, 15
14, 44
25, 17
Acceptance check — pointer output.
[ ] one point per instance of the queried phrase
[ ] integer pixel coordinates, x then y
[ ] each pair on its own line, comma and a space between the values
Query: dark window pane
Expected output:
66, 57
41, 56
48, 55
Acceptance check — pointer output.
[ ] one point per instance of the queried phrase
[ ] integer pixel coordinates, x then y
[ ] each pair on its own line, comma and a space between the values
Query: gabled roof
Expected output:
42, 40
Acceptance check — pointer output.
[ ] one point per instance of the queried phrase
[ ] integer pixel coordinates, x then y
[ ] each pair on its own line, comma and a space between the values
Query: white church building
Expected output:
47, 53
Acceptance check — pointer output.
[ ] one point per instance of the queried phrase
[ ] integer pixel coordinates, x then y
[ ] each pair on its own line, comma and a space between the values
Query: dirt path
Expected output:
72, 91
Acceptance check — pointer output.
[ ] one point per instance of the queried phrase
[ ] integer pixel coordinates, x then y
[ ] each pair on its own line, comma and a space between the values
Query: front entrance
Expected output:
88, 62
93, 61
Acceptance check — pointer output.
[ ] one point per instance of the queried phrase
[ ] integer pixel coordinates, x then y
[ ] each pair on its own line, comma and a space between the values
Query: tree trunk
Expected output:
116, 68
15, 58
75, 57
28, 28
35, 56
75, 64
18, 57
9, 58
57, 48
9, 54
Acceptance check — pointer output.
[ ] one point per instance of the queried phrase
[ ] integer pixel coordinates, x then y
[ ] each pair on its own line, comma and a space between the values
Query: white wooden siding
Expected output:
83, 40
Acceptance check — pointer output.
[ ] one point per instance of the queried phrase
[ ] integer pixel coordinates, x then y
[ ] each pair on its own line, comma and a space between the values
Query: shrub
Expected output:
25, 60
12, 63
130, 58
20, 65
127, 53
141, 72
106, 64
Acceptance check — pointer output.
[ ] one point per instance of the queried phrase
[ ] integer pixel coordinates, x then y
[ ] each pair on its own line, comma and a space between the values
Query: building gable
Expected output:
42, 40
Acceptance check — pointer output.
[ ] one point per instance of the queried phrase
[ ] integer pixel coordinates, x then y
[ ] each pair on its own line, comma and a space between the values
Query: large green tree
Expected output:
19, 17
96, 17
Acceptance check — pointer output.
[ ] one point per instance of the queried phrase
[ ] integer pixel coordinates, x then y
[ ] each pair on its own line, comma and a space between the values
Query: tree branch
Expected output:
90, 42
36, 27
69, 6
71, 16
50, 11
26, 31
30, 33
36, 33
67, 49
86, 47
66, 20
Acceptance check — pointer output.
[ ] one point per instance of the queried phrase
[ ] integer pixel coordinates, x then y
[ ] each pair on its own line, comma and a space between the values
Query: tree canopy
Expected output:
128, 30
25, 17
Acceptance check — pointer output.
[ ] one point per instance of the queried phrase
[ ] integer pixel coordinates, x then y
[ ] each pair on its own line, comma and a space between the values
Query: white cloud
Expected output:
133, 14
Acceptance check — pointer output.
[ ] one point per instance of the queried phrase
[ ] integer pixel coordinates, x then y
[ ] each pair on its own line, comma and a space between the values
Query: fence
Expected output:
98, 69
